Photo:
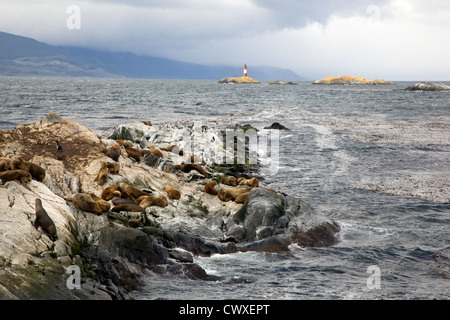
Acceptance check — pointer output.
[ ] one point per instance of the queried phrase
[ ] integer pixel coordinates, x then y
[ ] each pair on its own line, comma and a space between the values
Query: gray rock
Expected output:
428, 86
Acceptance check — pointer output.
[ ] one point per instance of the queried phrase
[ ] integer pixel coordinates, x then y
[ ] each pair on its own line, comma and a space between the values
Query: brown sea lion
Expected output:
232, 181
150, 201
133, 153
147, 123
113, 167
102, 175
103, 204
227, 194
15, 175
44, 221
36, 171
5, 164
172, 193
110, 192
188, 167
156, 151
168, 149
253, 182
84, 202
134, 223
130, 192
241, 198
128, 207
113, 152
209, 188
125, 144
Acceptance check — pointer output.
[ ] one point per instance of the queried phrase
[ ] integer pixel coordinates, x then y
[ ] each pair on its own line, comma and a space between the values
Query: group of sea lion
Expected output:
238, 195
24, 171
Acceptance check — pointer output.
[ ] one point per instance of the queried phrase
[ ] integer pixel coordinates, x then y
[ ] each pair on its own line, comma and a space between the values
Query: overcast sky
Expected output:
388, 39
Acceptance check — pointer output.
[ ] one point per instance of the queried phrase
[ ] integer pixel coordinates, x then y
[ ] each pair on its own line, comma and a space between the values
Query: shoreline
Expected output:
111, 247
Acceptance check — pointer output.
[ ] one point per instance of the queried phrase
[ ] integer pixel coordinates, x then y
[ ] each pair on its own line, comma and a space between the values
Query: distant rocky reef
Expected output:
347, 80
428, 86
238, 80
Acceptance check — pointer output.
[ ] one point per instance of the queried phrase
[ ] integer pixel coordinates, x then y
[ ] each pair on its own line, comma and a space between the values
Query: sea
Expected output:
375, 159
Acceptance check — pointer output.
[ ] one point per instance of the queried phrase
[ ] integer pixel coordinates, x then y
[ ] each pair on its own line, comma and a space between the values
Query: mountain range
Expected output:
21, 56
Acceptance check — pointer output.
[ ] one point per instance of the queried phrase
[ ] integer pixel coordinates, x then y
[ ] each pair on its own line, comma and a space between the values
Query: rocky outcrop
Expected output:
428, 86
114, 248
347, 80
238, 80
280, 82
276, 126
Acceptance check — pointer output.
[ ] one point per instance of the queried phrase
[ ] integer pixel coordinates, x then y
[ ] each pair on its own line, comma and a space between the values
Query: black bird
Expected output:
58, 146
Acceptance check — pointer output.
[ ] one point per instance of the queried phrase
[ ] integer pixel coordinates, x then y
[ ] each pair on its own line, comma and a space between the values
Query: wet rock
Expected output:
428, 86
276, 126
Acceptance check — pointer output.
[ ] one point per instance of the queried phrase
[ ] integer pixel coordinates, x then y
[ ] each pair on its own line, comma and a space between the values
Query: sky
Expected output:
377, 39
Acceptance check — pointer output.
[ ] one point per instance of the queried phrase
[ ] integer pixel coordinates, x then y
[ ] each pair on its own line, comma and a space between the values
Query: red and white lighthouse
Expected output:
245, 70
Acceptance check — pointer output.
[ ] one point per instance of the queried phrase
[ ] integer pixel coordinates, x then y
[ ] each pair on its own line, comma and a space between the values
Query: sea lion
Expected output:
111, 192
118, 200
16, 175
241, 198
156, 151
147, 123
253, 182
130, 192
84, 202
134, 223
227, 194
102, 175
113, 152
232, 181
44, 221
188, 167
5, 164
209, 188
172, 193
103, 204
168, 149
125, 144
36, 171
150, 201
128, 207
133, 153
113, 167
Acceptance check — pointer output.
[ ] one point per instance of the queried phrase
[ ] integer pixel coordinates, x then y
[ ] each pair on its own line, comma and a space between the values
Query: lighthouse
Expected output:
245, 70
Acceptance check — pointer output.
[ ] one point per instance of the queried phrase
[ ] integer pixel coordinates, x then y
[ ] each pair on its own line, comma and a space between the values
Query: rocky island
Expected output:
115, 208
238, 80
428, 86
347, 80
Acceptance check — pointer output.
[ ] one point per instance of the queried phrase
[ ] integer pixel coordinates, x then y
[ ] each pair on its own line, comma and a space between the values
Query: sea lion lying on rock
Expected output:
156, 151
118, 200
150, 201
253, 182
36, 171
172, 193
113, 152
229, 181
209, 188
130, 192
15, 175
103, 204
111, 192
44, 221
84, 201
188, 167
241, 198
227, 194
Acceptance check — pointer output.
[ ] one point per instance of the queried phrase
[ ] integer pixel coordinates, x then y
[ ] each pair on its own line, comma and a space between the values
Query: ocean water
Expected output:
374, 159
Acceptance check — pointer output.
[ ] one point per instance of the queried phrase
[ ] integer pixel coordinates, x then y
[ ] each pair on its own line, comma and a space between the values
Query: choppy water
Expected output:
327, 155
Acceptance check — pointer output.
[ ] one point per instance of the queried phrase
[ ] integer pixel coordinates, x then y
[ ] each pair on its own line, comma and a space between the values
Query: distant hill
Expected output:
21, 56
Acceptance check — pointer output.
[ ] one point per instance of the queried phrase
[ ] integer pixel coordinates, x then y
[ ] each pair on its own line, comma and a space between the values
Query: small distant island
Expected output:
238, 80
428, 86
347, 80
